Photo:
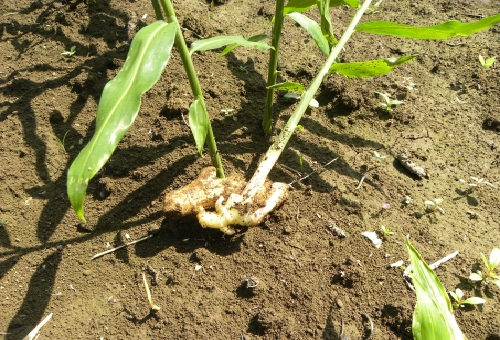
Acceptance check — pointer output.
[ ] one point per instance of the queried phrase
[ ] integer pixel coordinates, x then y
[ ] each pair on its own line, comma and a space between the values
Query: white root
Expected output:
120, 247
434, 265
35, 330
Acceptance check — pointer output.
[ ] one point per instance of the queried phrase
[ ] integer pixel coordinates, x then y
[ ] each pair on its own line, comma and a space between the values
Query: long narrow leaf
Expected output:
218, 42
326, 22
288, 86
438, 32
304, 5
371, 68
121, 99
314, 30
433, 317
255, 38
352, 3
198, 122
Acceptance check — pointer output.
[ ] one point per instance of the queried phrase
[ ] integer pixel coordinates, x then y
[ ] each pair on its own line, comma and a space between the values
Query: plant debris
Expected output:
411, 166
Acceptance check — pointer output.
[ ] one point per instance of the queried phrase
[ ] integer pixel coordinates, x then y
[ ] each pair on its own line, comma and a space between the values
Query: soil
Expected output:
295, 276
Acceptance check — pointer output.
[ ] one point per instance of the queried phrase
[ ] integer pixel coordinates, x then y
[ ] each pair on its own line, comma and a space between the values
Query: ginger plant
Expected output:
148, 57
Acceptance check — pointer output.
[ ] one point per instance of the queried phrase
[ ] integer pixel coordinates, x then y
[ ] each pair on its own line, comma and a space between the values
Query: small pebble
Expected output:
340, 304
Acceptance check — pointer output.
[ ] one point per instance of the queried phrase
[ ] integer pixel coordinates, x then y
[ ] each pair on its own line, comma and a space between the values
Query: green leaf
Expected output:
489, 62
351, 3
456, 297
198, 122
220, 41
298, 6
474, 301
121, 99
485, 261
314, 30
326, 22
433, 317
371, 68
255, 38
438, 32
494, 258
481, 60
304, 5
475, 277
288, 86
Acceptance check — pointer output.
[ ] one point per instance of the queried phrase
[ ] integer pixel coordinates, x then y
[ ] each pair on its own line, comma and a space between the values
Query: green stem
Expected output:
273, 65
195, 84
275, 150
157, 8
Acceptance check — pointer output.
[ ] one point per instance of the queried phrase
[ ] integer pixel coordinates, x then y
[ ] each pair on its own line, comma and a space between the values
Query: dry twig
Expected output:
119, 247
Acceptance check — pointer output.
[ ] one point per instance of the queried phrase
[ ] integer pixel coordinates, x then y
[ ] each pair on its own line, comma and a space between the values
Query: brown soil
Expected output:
309, 278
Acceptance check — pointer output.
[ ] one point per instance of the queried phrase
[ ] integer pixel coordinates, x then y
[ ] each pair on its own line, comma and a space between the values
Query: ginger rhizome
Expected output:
218, 204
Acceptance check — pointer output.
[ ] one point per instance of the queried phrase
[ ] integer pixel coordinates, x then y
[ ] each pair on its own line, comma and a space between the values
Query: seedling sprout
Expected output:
408, 200
431, 206
460, 302
301, 161
69, 53
408, 84
386, 231
243, 69
61, 142
379, 157
486, 64
389, 103
491, 275
477, 183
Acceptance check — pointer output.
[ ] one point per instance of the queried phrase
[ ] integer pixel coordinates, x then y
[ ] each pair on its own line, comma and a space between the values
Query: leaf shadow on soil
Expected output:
186, 236
25, 90
35, 301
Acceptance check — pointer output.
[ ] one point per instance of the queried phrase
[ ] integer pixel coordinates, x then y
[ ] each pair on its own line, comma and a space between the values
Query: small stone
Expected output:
339, 302
87, 272
252, 282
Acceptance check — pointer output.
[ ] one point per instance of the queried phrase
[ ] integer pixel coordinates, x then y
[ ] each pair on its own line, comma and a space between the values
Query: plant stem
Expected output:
195, 84
273, 65
157, 8
275, 150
